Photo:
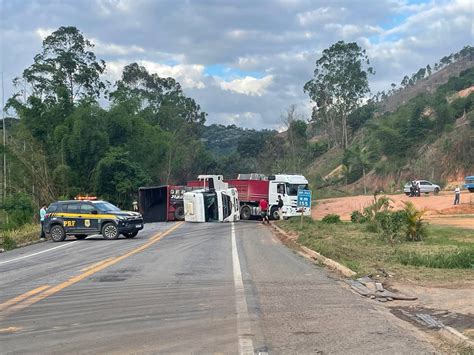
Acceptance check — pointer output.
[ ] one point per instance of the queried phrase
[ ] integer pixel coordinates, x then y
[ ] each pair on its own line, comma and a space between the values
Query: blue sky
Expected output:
245, 62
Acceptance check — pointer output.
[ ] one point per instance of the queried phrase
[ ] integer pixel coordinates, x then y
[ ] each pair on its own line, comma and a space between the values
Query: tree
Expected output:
117, 177
405, 81
162, 97
339, 84
65, 69
296, 136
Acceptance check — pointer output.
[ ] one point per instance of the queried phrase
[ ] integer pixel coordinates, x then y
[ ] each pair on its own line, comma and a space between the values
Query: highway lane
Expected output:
201, 288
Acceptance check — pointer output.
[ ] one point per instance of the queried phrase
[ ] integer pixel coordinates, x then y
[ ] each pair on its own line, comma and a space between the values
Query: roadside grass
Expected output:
10, 239
447, 254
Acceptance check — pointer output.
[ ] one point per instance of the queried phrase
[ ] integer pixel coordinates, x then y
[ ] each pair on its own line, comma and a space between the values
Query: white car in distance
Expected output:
425, 187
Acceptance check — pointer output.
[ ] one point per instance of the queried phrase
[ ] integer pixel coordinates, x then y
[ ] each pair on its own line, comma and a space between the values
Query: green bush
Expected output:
20, 209
358, 217
7, 243
331, 218
391, 225
460, 259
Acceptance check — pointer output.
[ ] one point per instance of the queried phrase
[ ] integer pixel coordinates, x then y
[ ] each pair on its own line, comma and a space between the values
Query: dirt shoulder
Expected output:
439, 208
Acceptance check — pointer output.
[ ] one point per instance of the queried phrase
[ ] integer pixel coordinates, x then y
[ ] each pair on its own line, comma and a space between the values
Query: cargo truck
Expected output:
254, 187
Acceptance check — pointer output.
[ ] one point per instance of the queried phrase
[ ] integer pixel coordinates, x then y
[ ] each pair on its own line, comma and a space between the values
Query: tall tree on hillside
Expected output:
339, 84
66, 68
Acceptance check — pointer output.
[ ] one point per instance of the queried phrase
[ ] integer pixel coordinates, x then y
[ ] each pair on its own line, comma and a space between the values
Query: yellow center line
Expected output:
10, 330
92, 270
22, 297
97, 264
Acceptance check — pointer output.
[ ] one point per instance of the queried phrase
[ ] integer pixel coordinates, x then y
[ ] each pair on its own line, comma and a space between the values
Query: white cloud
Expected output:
247, 85
43, 32
323, 14
114, 49
188, 75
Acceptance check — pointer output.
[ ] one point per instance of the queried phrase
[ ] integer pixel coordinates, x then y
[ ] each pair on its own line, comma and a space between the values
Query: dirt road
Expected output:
439, 208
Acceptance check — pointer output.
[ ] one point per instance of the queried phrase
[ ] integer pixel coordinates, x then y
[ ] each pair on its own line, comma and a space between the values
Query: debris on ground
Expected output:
367, 287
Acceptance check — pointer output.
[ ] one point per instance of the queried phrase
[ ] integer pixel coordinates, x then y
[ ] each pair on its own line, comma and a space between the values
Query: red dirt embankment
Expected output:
439, 208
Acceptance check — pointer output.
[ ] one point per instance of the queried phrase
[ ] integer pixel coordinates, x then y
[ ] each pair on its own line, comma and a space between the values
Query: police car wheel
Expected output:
110, 231
131, 235
57, 233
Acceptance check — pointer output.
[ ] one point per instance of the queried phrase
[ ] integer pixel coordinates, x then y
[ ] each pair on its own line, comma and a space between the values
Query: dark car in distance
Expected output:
83, 218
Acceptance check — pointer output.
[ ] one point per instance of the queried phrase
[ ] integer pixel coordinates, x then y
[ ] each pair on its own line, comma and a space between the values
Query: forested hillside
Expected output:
75, 133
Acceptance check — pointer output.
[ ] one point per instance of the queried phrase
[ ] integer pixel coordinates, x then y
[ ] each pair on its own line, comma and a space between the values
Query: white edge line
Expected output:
40, 252
243, 326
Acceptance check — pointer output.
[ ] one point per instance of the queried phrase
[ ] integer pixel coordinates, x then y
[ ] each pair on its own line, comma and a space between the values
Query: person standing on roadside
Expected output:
135, 205
263, 204
280, 207
457, 195
42, 214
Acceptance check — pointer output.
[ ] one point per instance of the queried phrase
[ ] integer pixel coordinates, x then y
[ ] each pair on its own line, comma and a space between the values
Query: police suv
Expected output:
83, 218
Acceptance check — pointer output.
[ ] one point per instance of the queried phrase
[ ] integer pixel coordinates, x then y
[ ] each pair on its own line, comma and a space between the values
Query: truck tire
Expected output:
57, 232
179, 213
274, 213
471, 189
110, 231
245, 213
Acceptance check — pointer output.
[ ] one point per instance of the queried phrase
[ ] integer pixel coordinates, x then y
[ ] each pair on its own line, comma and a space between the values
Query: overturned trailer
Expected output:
161, 203
211, 200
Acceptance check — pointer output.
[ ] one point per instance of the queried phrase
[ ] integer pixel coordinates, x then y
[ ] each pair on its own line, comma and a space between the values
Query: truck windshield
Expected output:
106, 207
292, 189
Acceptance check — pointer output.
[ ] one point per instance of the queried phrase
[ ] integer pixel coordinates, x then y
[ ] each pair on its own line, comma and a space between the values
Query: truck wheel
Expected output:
131, 235
436, 191
57, 233
110, 231
471, 189
274, 213
179, 213
245, 213
80, 236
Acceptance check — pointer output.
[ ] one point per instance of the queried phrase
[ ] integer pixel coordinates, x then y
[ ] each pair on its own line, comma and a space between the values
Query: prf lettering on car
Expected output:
69, 223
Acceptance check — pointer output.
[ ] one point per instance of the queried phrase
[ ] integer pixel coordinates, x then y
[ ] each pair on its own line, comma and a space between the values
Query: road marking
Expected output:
243, 323
92, 270
97, 264
22, 297
10, 330
40, 252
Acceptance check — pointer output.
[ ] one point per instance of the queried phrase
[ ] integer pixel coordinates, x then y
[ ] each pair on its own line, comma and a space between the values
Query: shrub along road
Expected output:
439, 208
193, 288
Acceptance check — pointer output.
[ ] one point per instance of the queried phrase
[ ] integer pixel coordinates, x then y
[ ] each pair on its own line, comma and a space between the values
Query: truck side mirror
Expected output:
94, 212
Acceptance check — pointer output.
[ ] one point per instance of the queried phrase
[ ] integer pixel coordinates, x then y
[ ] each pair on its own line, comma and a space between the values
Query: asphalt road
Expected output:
187, 288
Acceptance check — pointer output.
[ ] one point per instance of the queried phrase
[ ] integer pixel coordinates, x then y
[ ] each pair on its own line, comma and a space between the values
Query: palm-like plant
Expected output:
416, 227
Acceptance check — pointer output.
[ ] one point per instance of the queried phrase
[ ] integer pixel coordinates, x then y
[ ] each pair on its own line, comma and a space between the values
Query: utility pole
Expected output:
4, 128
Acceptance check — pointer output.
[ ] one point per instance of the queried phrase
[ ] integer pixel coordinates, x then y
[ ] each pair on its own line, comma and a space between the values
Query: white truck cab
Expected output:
214, 202
287, 187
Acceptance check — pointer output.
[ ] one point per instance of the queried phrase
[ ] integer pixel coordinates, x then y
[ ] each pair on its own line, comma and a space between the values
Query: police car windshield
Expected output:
106, 207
